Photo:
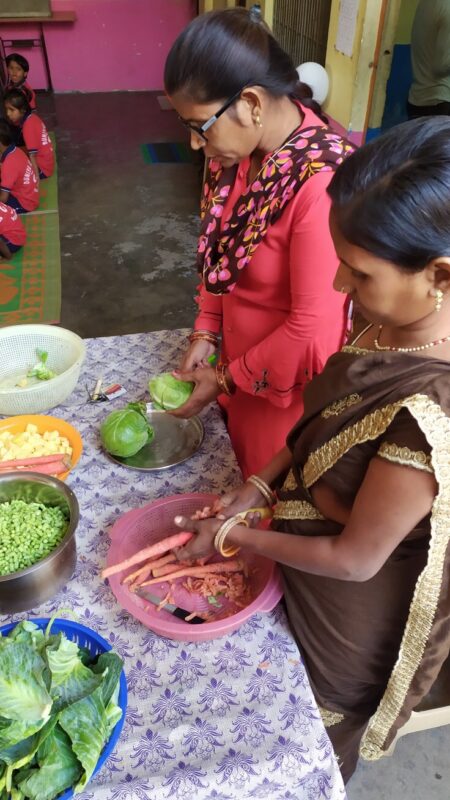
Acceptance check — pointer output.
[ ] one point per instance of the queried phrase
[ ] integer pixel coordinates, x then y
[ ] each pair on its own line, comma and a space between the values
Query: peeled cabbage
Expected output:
169, 392
125, 432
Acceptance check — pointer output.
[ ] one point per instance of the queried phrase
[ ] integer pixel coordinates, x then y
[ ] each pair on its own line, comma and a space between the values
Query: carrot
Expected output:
149, 567
168, 568
31, 460
225, 566
158, 549
52, 468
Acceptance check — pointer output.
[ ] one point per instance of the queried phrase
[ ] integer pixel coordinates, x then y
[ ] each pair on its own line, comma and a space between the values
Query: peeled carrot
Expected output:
157, 549
31, 460
51, 468
223, 566
150, 566
168, 568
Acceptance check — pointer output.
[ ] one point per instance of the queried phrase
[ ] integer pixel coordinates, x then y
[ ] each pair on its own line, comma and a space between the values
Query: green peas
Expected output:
28, 533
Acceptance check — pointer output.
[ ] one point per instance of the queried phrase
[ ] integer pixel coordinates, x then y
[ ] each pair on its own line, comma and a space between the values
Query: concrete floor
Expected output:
124, 223
128, 237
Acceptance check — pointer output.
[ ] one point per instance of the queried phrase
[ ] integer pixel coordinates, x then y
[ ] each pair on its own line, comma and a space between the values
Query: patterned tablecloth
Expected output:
229, 719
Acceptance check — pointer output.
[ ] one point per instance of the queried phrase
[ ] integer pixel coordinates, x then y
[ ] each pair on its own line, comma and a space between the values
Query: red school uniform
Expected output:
11, 226
18, 177
38, 143
24, 87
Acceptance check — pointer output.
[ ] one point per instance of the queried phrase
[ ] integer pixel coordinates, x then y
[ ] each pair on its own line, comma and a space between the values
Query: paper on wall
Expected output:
345, 36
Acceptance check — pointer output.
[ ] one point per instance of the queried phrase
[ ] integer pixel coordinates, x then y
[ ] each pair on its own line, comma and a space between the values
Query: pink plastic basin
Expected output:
142, 527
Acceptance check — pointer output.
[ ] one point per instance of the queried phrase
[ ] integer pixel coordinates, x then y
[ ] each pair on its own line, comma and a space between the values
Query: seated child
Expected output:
12, 233
18, 68
18, 182
34, 132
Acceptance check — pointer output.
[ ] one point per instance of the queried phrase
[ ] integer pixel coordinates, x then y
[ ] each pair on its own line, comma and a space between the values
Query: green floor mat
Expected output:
30, 284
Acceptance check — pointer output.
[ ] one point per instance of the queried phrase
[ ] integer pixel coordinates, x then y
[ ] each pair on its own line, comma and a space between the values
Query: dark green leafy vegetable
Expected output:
169, 392
125, 432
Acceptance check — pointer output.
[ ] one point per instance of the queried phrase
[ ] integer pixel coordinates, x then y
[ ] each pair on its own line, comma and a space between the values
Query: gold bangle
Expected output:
221, 379
203, 337
223, 532
200, 334
263, 488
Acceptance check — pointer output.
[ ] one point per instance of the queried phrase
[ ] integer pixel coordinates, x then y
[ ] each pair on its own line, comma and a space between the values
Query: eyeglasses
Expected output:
200, 130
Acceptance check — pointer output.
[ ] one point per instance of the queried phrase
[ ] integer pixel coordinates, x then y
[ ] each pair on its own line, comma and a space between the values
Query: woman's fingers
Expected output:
186, 524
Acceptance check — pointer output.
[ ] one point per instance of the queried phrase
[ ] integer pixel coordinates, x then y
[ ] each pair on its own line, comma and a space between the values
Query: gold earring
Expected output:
258, 120
439, 295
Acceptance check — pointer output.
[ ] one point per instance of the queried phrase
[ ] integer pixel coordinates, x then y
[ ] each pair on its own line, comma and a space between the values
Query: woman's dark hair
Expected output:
221, 52
392, 197
18, 99
20, 60
5, 133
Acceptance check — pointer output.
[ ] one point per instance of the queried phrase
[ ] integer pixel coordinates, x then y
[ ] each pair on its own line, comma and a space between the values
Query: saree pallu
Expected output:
372, 649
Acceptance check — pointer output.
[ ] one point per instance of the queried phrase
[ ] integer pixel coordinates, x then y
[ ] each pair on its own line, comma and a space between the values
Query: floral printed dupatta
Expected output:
223, 251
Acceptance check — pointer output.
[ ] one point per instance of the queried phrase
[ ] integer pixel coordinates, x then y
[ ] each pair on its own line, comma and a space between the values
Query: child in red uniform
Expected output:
18, 182
18, 69
34, 132
12, 233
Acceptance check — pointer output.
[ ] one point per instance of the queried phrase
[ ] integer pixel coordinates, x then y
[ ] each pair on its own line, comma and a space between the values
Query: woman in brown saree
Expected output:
361, 520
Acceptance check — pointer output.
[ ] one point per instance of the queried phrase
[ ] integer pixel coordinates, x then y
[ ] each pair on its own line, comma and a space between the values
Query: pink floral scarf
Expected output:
223, 252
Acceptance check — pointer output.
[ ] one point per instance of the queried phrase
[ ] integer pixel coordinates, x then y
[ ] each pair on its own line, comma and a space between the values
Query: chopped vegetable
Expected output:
232, 587
126, 431
157, 549
32, 444
169, 392
28, 533
58, 707
40, 369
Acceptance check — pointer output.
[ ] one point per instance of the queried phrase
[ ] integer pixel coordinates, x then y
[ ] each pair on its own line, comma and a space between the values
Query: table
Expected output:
37, 41
223, 720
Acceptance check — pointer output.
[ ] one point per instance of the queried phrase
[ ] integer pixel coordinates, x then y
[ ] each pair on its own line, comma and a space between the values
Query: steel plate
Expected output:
175, 440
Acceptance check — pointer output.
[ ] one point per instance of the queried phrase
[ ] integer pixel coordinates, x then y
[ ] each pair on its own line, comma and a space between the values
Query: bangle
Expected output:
207, 336
263, 488
223, 532
221, 378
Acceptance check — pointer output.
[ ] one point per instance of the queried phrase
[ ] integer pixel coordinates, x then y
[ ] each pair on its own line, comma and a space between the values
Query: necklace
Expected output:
418, 347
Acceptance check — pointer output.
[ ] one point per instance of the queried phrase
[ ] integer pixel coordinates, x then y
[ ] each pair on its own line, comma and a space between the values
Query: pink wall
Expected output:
113, 45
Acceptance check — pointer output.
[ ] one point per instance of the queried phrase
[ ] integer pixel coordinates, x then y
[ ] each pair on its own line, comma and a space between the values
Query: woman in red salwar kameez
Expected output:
265, 253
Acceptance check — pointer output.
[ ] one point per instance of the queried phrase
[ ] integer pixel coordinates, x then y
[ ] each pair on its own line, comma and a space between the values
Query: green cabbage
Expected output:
169, 392
125, 432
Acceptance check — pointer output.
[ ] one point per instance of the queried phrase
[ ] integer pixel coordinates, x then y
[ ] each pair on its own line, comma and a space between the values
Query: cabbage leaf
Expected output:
23, 694
57, 768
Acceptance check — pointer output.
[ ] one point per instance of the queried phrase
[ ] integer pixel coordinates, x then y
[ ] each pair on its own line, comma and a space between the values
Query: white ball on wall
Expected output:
316, 77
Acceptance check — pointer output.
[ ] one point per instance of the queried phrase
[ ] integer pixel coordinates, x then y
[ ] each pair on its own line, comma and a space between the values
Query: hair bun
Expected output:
255, 13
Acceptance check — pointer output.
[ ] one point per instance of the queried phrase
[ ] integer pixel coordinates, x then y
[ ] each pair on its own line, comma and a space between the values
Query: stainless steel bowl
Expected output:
21, 591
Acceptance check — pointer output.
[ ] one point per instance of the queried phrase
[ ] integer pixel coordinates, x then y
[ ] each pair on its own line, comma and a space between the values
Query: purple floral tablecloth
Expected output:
229, 719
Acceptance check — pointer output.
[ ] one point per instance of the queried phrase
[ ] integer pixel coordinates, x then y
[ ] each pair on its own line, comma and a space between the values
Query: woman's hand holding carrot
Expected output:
237, 500
201, 545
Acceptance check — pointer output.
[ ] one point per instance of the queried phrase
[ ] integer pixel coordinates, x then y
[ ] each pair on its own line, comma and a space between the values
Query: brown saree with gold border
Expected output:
372, 649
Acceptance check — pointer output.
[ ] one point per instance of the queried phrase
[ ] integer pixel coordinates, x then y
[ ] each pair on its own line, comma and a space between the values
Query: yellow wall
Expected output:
350, 76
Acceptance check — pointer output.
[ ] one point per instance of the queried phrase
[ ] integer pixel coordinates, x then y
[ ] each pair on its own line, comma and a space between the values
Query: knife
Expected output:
181, 613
